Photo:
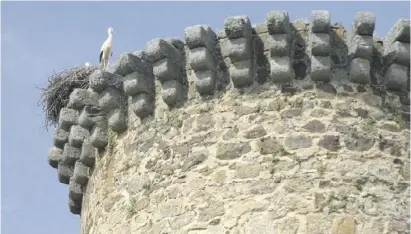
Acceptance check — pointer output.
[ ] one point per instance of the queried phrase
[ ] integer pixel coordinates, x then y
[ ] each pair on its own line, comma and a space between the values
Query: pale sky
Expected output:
41, 37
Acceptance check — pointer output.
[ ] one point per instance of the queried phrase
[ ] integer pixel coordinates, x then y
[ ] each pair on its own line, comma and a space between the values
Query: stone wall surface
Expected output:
282, 127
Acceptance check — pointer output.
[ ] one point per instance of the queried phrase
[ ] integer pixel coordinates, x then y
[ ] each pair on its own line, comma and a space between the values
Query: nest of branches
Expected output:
55, 95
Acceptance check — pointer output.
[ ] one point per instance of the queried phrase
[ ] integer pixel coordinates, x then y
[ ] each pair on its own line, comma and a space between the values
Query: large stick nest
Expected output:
56, 95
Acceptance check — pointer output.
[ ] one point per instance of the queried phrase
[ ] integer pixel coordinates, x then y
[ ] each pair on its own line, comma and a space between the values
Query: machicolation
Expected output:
281, 127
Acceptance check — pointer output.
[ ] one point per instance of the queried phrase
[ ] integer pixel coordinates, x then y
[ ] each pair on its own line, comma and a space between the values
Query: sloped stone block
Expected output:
89, 116
172, 92
360, 71
158, 49
99, 80
81, 173
99, 137
70, 154
137, 83
77, 136
197, 36
81, 97
320, 44
126, 63
237, 26
398, 52
396, 77
74, 207
281, 69
64, 172
201, 59
237, 49
165, 70
241, 73
54, 156
75, 190
361, 47
364, 23
88, 153
320, 68
278, 45
60, 138
142, 105
205, 82
278, 22
110, 99
68, 117
175, 43
117, 120
399, 32
320, 21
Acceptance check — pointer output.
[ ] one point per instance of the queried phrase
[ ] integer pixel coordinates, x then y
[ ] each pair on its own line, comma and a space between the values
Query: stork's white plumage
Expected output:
106, 50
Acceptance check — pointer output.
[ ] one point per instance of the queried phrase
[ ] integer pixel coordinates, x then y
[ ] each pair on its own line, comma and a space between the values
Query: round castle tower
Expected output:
279, 128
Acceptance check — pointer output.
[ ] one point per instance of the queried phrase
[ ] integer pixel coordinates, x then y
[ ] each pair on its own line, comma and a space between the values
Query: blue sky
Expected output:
40, 37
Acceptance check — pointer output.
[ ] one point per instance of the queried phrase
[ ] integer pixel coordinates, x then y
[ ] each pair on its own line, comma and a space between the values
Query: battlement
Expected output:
277, 58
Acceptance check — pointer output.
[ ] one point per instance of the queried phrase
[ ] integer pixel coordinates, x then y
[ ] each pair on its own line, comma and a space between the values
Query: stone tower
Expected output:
280, 127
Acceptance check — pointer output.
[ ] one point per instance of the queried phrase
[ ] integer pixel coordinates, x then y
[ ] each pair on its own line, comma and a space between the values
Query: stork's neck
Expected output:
110, 37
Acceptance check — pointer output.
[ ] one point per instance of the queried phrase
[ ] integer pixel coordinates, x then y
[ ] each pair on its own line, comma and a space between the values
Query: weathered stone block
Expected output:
360, 71
237, 49
81, 173
99, 137
320, 44
70, 154
110, 99
64, 172
261, 28
74, 207
201, 59
68, 117
278, 22
197, 36
54, 156
81, 97
330, 142
399, 32
320, 68
126, 63
90, 115
361, 47
227, 151
398, 52
172, 92
205, 82
241, 73
88, 153
117, 120
364, 23
158, 49
77, 136
278, 45
142, 105
298, 141
237, 26
75, 190
396, 77
99, 80
165, 70
175, 43
137, 83
60, 138
281, 69
320, 21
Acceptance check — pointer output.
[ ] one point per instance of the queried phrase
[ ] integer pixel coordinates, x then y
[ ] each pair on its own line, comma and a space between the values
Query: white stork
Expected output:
107, 49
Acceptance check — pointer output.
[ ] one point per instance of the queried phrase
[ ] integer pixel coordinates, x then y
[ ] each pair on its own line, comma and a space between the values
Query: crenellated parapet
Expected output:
272, 55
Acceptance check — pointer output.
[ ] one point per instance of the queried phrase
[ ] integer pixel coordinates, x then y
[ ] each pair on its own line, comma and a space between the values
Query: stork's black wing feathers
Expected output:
101, 55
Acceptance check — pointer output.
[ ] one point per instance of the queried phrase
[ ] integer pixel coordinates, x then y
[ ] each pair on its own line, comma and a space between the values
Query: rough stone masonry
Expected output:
284, 127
